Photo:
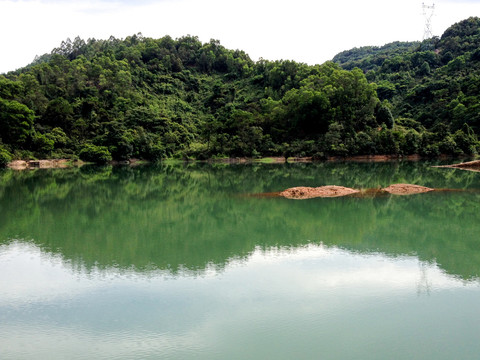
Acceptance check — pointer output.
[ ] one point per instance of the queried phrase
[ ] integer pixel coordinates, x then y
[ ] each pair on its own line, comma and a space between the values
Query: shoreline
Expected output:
68, 163
308, 159
42, 164
60, 164
469, 165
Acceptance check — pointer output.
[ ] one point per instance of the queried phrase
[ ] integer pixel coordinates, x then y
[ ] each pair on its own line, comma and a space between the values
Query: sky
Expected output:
302, 30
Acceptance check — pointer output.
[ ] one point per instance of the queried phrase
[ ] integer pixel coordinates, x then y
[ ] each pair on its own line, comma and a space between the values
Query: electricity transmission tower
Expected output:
428, 14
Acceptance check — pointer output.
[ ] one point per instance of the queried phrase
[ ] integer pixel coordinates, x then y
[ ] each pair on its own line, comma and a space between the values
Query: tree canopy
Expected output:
147, 98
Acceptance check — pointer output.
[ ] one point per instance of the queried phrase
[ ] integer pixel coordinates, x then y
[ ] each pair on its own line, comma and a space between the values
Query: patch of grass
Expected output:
172, 161
268, 160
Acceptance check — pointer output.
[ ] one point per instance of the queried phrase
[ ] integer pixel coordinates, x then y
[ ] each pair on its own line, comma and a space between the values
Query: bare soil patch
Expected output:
469, 165
406, 189
39, 164
303, 192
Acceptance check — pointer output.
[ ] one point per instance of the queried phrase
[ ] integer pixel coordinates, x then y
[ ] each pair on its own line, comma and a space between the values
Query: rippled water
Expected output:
179, 262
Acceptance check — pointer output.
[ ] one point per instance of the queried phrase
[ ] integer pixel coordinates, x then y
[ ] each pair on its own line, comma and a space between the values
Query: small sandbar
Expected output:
304, 192
406, 189
329, 191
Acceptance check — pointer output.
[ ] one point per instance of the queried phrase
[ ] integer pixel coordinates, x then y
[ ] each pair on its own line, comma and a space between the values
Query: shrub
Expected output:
153, 152
384, 116
5, 157
43, 144
94, 153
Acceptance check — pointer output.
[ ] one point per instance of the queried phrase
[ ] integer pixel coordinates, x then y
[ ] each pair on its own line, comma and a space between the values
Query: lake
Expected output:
185, 261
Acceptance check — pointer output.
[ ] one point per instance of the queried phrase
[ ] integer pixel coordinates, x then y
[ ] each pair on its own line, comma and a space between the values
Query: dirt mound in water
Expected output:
406, 189
303, 192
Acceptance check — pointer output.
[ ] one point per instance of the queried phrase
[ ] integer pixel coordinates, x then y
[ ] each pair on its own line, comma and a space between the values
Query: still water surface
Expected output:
180, 262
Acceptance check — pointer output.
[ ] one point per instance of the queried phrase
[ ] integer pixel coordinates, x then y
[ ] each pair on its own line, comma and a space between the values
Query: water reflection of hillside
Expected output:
193, 216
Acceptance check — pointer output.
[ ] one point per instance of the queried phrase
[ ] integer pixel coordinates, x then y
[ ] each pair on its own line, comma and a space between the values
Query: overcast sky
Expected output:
301, 30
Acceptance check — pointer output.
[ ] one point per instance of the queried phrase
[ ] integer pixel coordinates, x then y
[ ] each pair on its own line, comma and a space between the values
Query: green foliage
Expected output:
181, 98
384, 116
43, 144
95, 154
431, 84
5, 156
8, 88
372, 57
59, 137
16, 121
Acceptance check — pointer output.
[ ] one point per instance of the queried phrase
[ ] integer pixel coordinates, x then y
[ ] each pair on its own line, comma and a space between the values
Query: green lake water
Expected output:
182, 262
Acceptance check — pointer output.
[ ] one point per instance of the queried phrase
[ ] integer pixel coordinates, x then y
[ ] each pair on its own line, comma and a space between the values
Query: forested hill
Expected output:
373, 57
436, 83
157, 98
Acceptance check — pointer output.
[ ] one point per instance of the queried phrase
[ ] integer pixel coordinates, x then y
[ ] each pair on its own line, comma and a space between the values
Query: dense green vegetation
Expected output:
432, 87
156, 98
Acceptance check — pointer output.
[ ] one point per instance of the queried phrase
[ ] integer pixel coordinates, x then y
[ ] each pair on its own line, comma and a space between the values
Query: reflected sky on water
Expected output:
276, 303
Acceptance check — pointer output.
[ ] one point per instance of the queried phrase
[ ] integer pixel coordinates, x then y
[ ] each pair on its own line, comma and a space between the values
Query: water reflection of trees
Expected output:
194, 215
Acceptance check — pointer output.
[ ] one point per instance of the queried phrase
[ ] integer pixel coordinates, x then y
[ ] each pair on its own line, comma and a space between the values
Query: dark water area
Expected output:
181, 262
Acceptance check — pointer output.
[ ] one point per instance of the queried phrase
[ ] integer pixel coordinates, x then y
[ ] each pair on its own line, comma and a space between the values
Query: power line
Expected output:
428, 11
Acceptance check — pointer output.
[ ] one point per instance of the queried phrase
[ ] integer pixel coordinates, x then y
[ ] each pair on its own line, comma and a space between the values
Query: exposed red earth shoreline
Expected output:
470, 165
58, 164
281, 159
66, 163
39, 164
